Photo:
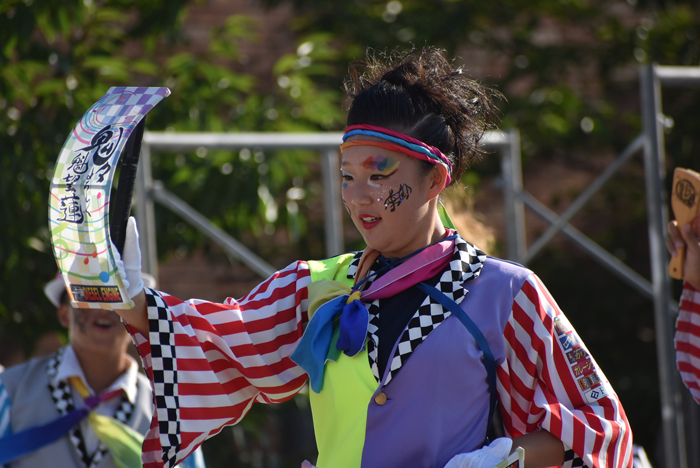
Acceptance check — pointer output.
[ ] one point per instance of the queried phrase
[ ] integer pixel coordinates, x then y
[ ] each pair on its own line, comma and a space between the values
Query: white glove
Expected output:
130, 267
485, 457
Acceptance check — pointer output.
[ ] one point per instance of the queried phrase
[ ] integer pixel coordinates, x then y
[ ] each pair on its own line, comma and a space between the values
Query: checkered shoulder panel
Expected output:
164, 362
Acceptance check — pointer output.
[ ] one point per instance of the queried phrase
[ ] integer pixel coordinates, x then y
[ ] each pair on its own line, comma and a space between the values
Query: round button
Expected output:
380, 399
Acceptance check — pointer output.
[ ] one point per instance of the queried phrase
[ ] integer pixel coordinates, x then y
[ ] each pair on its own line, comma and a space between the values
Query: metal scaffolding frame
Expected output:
147, 190
675, 401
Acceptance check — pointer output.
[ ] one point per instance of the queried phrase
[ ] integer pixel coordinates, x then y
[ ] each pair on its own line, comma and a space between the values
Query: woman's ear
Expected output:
438, 180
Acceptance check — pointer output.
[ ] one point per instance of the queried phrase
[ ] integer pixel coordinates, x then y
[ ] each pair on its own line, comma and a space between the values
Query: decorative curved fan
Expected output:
79, 202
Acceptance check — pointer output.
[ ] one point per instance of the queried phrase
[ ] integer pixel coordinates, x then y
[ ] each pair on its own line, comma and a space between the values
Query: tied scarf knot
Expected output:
92, 401
353, 325
316, 342
330, 300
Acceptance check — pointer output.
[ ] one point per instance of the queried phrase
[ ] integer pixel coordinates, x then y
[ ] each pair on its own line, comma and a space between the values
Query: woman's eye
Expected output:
346, 178
377, 177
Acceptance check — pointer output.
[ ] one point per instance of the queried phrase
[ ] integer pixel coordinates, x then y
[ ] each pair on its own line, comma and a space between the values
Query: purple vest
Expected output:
437, 405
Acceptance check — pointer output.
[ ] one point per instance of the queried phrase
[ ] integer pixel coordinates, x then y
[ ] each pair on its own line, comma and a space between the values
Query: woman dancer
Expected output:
409, 345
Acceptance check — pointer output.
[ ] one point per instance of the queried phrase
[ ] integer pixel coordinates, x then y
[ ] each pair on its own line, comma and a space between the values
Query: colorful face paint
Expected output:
381, 163
394, 199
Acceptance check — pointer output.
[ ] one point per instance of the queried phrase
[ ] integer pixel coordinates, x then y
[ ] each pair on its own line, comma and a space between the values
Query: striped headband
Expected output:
398, 142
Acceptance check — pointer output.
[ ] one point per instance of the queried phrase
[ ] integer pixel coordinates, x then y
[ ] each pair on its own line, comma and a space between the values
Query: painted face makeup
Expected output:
381, 163
384, 165
395, 198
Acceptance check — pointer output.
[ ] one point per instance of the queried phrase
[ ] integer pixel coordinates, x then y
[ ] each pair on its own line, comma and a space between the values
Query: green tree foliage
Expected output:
57, 58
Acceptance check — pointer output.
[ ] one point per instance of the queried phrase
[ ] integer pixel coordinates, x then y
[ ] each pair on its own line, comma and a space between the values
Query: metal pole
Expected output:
654, 172
602, 256
582, 199
514, 209
678, 76
212, 231
333, 220
145, 215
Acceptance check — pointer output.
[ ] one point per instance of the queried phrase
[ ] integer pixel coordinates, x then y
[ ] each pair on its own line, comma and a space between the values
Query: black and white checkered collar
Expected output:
63, 400
466, 262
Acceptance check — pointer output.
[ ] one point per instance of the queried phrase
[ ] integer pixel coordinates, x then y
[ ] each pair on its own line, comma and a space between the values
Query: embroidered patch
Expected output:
561, 325
576, 355
584, 367
588, 381
568, 341
596, 394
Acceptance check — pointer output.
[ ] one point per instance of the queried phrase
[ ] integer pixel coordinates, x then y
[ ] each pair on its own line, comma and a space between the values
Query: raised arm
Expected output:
687, 339
208, 363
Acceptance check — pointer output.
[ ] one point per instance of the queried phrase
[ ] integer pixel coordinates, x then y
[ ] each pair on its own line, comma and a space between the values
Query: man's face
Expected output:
94, 330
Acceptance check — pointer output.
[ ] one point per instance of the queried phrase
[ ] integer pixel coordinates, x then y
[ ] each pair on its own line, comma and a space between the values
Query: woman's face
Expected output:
388, 199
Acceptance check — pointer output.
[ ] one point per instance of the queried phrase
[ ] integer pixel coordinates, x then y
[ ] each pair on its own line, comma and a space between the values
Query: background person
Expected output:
95, 362
687, 337
399, 376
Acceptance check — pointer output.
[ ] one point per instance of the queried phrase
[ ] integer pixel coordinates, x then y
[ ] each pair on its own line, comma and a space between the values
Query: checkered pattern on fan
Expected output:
164, 362
571, 460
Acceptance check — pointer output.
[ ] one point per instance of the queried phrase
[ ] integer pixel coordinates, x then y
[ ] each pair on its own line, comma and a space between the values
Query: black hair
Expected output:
419, 93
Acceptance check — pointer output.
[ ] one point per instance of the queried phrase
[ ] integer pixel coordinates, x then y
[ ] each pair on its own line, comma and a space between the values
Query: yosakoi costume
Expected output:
688, 340
210, 362
405, 357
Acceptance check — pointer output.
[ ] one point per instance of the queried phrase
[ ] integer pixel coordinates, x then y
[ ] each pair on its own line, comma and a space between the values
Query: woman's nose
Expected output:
360, 195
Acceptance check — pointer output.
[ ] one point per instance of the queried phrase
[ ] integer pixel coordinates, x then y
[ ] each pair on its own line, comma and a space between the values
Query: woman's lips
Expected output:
369, 221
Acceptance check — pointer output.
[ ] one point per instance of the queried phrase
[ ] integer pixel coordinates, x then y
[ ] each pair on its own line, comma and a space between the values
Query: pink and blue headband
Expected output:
397, 142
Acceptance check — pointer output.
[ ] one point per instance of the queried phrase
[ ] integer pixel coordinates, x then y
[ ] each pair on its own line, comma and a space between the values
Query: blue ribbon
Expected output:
313, 348
29, 440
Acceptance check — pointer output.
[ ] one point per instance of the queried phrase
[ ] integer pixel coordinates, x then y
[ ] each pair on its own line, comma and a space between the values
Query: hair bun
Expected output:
421, 94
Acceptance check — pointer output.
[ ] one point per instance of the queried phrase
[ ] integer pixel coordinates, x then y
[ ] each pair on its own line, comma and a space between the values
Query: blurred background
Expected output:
569, 70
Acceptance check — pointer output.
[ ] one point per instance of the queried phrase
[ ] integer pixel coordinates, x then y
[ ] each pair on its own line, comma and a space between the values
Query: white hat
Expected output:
54, 289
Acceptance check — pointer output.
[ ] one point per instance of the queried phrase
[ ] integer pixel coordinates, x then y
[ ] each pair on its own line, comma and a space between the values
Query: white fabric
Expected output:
129, 265
486, 457
70, 367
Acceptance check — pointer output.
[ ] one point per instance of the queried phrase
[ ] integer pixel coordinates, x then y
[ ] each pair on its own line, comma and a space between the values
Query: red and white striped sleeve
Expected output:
688, 340
550, 381
209, 362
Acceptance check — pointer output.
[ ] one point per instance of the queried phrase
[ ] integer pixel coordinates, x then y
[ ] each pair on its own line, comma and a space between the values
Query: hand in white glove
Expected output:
485, 457
130, 267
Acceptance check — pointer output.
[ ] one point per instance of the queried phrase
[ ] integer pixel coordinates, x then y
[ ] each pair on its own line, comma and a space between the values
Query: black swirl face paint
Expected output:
394, 199
80, 319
